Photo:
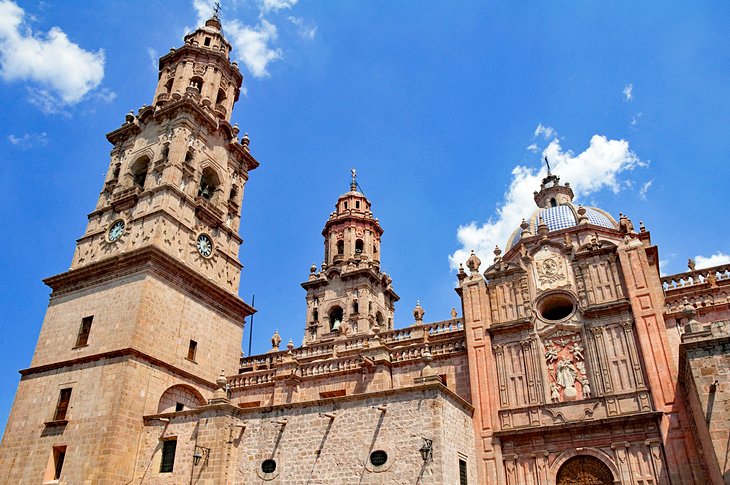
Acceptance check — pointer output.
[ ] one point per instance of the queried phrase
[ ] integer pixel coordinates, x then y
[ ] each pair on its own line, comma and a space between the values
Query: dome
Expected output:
562, 217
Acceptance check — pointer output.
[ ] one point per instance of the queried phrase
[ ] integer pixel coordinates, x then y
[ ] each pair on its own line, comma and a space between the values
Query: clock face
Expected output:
116, 231
205, 245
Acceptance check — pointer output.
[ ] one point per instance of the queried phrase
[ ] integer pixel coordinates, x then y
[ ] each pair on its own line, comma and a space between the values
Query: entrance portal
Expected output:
584, 470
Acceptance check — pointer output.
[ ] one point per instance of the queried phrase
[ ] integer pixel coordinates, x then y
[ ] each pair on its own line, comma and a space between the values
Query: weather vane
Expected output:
353, 184
216, 10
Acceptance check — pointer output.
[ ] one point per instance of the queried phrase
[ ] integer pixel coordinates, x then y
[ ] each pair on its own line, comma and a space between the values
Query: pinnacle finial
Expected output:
548, 166
353, 183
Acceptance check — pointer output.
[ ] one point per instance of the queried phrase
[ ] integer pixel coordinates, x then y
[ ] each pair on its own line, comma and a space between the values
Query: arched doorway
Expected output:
584, 470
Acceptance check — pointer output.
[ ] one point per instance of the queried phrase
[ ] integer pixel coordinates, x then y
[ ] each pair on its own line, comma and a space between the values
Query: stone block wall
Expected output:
328, 441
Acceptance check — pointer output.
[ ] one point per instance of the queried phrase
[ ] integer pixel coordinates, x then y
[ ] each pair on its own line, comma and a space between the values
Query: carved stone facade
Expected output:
574, 362
571, 365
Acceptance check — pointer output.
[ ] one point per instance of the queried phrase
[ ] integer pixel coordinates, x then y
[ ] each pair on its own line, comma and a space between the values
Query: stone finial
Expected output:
245, 140
642, 228
290, 345
221, 394
542, 228
525, 226
130, 117
236, 130
418, 313
453, 313
461, 274
275, 340
473, 263
497, 253
582, 215
691, 264
313, 268
625, 226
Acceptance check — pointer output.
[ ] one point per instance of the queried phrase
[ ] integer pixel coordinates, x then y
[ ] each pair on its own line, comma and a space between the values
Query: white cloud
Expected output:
628, 92
644, 189
276, 5
29, 140
62, 72
544, 131
702, 262
252, 45
596, 168
635, 120
304, 30
154, 59
533, 148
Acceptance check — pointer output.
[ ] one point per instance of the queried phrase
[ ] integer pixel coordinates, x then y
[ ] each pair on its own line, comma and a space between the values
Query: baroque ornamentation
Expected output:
567, 373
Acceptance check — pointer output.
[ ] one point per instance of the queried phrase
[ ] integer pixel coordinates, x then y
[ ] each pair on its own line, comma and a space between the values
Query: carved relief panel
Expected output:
566, 367
550, 270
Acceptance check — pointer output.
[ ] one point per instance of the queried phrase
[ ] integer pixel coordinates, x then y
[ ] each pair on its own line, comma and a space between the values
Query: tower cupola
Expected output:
350, 294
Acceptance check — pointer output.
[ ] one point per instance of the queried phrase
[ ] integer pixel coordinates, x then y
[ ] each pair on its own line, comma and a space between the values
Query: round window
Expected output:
268, 466
378, 458
556, 307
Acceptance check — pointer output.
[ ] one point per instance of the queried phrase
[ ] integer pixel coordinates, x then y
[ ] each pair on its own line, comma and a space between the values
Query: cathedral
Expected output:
573, 361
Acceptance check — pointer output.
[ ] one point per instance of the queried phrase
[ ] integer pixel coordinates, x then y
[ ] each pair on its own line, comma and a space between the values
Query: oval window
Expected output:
268, 466
378, 458
556, 307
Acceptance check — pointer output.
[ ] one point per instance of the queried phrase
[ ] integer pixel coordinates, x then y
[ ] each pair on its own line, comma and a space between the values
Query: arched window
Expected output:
340, 247
221, 97
209, 183
168, 85
355, 308
179, 398
197, 82
379, 318
315, 315
233, 195
189, 157
335, 316
359, 246
553, 202
139, 171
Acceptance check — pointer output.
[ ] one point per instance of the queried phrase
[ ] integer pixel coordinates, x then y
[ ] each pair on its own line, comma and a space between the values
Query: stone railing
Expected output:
330, 366
438, 349
697, 277
251, 379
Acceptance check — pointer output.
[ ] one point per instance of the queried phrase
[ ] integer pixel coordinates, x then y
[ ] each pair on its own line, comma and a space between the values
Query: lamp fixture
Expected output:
201, 452
426, 450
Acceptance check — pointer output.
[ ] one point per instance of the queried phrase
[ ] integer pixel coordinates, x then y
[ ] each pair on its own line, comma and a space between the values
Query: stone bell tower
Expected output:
350, 294
148, 314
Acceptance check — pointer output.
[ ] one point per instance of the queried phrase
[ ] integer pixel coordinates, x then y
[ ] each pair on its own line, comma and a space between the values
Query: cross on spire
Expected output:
216, 10
548, 166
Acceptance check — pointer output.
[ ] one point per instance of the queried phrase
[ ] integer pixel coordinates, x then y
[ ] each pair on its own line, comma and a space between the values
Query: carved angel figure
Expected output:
565, 374
577, 350
586, 388
551, 354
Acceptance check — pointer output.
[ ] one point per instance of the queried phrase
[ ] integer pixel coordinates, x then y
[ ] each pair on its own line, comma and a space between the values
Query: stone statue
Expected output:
473, 262
566, 373
691, 264
554, 392
275, 340
586, 388
551, 354
453, 313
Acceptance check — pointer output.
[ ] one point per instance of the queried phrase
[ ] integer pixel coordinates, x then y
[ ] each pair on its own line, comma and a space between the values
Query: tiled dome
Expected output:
562, 217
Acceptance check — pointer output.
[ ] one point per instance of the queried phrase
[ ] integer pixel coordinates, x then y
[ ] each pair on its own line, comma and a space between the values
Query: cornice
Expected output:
31, 372
153, 260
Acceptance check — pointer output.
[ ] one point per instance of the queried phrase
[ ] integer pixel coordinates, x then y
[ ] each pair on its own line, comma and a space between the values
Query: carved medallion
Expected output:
550, 271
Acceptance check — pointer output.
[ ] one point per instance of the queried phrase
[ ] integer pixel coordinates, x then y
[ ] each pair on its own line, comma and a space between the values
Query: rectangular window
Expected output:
59, 454
62, 406
83, 337
462, 472
168, 456
55, 464
192, 348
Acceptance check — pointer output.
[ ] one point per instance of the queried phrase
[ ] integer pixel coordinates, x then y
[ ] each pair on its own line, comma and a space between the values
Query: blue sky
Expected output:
444, 108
